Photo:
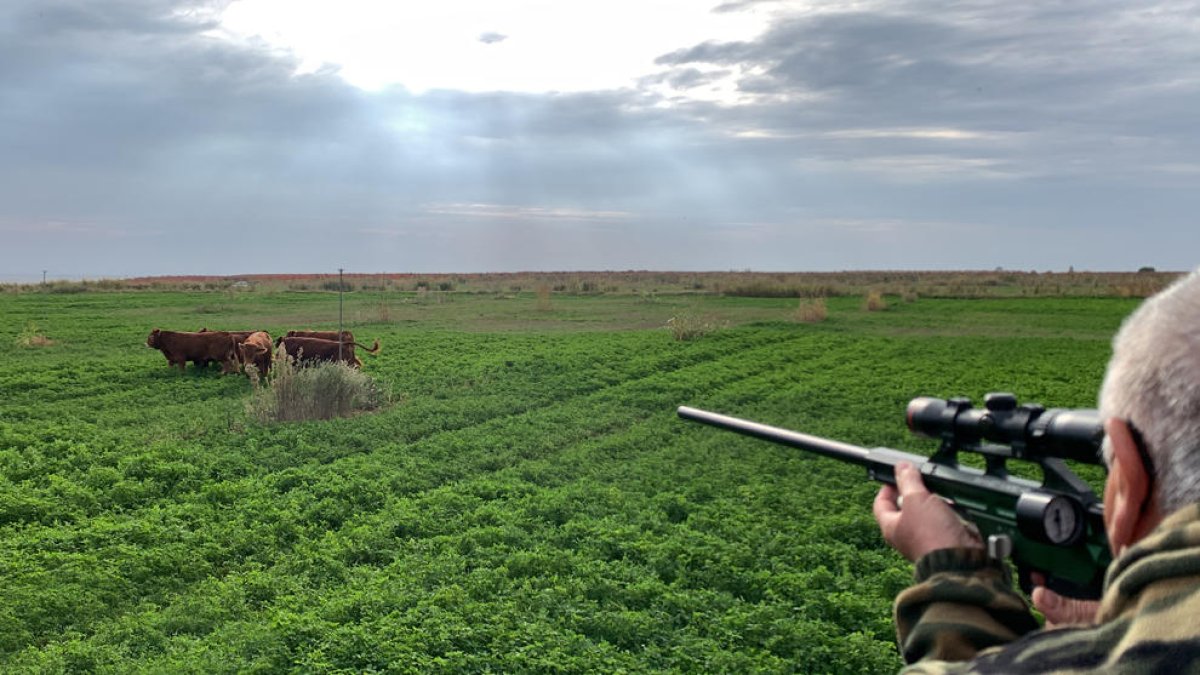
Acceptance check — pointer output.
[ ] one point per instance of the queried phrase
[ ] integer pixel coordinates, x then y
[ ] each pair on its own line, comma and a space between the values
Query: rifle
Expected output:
1055, 527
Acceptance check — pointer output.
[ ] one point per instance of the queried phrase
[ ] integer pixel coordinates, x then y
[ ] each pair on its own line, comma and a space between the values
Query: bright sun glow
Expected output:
481, 45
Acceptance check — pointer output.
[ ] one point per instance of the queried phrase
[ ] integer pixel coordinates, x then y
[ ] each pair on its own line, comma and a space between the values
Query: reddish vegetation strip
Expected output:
909, 284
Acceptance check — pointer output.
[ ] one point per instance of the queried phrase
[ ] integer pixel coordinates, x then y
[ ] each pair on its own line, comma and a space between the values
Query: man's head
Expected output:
1153, 384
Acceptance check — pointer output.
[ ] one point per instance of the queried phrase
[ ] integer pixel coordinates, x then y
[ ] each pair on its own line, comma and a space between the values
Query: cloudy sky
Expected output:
175, 137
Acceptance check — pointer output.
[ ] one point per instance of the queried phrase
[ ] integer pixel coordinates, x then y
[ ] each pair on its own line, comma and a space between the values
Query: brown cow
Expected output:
238, 336
347, 336
305, 349
347, 340
256, 350
199, 348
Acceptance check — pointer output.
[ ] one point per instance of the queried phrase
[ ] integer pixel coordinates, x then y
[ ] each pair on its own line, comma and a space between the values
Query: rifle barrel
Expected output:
821, 446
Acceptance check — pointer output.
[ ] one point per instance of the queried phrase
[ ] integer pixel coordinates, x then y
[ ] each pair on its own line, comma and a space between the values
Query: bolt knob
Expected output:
997, 402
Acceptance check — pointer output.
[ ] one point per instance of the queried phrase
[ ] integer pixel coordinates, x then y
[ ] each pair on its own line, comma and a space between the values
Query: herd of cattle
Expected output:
234, 350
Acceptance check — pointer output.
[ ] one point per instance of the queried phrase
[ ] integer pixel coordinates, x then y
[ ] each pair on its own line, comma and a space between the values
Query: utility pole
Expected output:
43, 277
341, 287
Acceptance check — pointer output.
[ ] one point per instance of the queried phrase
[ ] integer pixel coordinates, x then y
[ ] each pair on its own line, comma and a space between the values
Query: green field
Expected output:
529, 501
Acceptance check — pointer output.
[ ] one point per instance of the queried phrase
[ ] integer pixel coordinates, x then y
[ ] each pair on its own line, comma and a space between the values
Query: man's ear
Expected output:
1127, 490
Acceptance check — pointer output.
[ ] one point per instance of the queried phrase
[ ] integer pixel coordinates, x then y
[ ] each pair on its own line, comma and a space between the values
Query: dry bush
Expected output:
874, 302
1136, 288
811, 311
691, 326
31, 336
319, 391
543, 298
67, 287
779, 289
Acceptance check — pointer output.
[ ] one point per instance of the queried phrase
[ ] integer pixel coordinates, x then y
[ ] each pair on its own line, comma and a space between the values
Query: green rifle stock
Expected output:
1055, 527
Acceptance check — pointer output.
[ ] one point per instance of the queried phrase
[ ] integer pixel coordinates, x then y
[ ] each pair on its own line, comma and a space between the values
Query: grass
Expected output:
534, 505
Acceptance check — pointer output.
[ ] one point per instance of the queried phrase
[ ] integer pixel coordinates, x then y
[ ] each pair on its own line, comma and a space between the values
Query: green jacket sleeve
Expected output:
963, 602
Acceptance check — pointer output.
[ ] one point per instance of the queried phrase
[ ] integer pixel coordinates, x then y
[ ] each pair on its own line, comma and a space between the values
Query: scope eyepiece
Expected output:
1032, 431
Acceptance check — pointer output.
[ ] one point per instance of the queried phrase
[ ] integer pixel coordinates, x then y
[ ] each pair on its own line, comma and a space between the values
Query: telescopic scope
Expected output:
1030, 430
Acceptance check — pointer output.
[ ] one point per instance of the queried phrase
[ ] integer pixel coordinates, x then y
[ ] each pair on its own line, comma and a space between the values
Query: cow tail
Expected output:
372, 350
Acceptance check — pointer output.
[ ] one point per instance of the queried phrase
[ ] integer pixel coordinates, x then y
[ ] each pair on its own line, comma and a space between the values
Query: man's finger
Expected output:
1046, 600
1063, 611
908, 480
884, 506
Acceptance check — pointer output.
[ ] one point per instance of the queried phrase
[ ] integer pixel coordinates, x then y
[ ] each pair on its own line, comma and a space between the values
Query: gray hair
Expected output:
1153, 381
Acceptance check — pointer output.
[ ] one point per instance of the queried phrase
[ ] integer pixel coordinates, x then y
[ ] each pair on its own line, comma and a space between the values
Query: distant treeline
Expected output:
906, 284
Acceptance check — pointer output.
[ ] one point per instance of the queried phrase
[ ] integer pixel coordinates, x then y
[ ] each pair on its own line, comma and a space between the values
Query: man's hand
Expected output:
926, 523
1060, 610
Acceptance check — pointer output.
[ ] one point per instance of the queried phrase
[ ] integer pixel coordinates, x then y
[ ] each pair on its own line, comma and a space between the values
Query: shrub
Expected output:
31, 336
67, 287
763, 289
874, 302
811, 311
691, 326
319, 391
543, 298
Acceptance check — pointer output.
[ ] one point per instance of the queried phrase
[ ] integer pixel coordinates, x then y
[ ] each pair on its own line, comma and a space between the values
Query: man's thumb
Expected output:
1047, 600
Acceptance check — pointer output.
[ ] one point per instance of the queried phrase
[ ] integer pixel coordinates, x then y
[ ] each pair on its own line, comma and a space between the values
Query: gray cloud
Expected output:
1076, 82
491, 37
132, 141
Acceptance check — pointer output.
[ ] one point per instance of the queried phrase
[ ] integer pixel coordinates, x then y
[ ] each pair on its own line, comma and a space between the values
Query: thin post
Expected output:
341, 287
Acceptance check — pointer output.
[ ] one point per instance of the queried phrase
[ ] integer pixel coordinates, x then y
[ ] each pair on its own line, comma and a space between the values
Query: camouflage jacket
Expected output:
964, 617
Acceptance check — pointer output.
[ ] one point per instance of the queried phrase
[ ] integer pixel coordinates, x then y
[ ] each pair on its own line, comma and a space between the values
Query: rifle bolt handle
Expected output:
999, 546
